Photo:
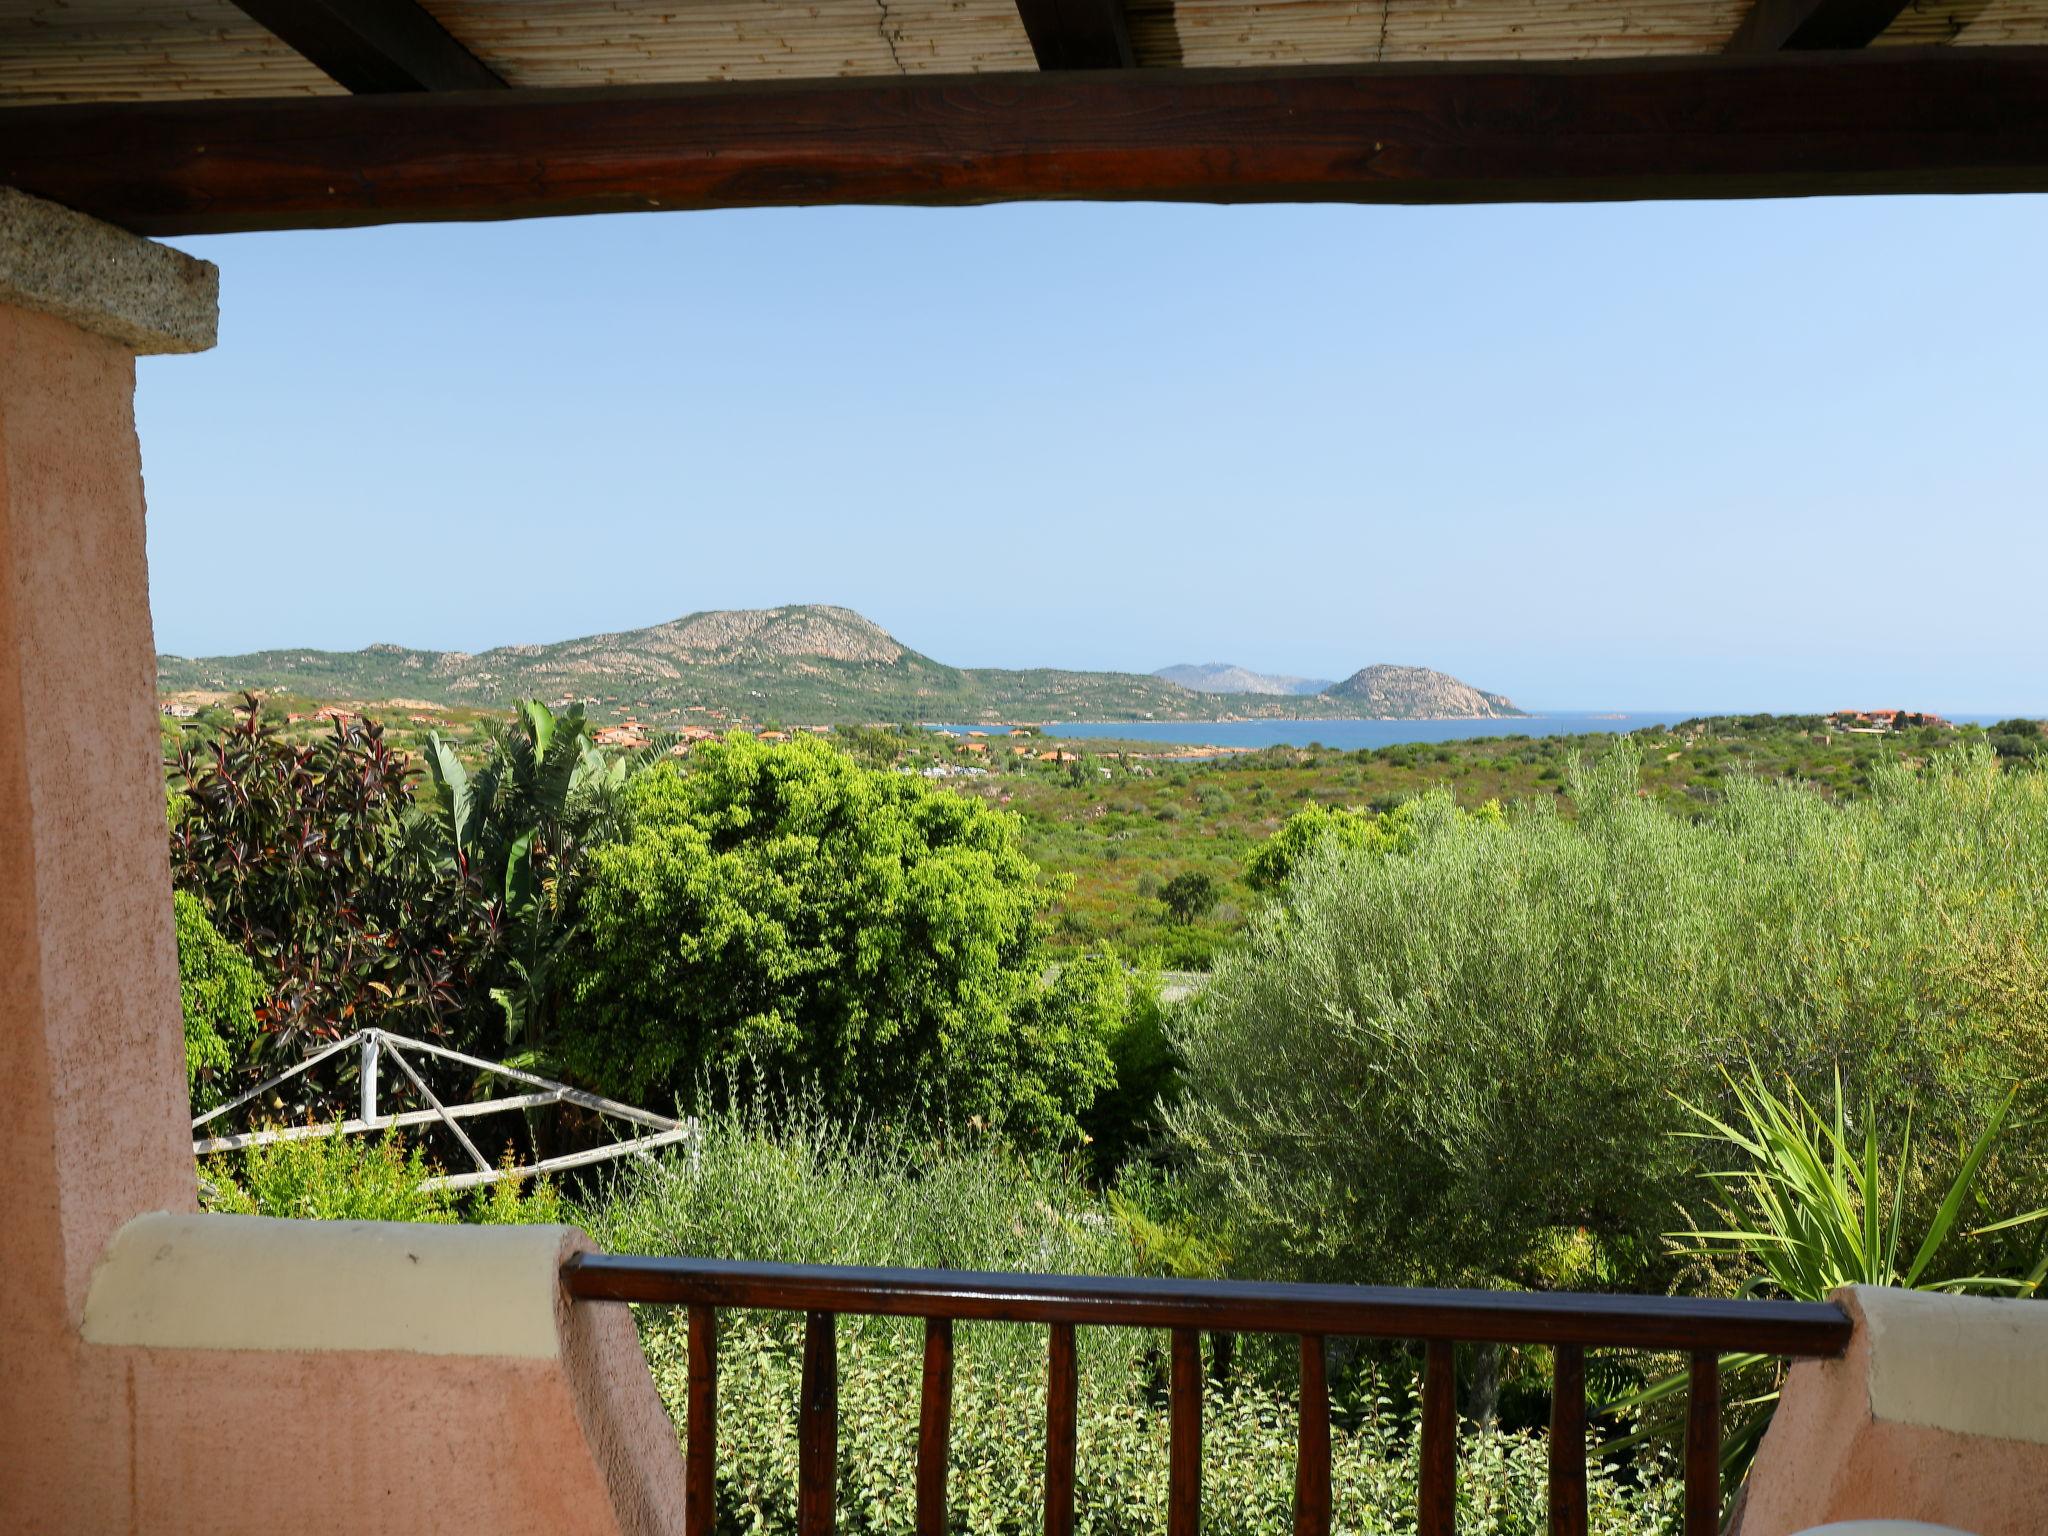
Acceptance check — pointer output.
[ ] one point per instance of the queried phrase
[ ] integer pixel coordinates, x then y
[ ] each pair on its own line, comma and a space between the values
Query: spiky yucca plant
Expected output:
1813, 1207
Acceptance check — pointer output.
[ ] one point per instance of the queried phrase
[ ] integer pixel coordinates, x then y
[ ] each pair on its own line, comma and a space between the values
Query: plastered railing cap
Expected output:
253, 1282
1972, 1365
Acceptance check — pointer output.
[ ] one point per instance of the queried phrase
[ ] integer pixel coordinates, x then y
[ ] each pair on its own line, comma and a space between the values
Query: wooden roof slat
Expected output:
1882, 120
568, 43
372, 46
143, 50
54, 50
1253, 33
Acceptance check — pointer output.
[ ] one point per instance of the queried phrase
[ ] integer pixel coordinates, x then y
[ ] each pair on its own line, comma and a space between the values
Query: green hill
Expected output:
799, 665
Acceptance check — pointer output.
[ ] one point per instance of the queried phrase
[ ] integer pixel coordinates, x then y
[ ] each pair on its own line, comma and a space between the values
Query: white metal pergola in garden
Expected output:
373, 1045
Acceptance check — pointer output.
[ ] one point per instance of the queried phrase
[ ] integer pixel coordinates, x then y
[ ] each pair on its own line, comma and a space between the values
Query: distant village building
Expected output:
1878, 720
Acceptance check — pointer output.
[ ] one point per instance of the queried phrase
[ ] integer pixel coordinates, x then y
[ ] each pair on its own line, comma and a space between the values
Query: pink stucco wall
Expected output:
1938, 1412
100, 1437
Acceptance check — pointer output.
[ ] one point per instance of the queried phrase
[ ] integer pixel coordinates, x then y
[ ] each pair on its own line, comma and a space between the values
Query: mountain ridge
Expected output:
1228, 677
797, 664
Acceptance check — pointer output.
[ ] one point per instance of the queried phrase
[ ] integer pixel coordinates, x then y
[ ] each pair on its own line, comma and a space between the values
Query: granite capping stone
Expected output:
144, 295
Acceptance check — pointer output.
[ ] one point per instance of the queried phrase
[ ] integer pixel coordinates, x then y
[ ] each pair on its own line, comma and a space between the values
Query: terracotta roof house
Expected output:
490, 1378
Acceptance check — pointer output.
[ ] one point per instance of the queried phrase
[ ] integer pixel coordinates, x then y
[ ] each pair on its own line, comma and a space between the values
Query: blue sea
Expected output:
1349, 735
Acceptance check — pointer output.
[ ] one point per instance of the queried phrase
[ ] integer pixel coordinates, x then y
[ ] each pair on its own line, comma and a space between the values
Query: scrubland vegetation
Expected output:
1464, 1012
1464, 1063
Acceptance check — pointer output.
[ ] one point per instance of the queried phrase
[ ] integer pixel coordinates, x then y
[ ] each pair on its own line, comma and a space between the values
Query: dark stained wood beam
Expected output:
1077, 34
1786, 125
373, 46
1771, 25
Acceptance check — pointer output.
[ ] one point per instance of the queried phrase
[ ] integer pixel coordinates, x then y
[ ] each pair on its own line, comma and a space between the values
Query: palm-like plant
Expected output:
1815, 1211
514, 831
1813, 1207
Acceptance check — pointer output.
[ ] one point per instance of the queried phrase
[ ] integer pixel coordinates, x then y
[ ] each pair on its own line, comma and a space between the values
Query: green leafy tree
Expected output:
217, 986
1189, 895
785, 909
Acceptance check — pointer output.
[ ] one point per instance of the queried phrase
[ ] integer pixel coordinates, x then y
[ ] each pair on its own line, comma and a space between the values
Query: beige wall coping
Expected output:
146, 296
1972, 1365
255, 1282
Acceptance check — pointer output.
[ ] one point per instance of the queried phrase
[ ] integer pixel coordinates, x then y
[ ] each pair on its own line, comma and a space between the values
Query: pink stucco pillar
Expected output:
434, 1377
92, 1104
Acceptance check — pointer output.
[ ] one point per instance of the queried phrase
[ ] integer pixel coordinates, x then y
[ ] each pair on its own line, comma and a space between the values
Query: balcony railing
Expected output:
1704, 1329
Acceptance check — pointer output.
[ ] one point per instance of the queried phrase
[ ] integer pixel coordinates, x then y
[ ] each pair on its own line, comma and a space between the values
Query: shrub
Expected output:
333, 1177
996, 1482
772, 1181
217, 987
306, 857
1124, 1120
1314, 827
1426, 1069
782, 1179
784, 908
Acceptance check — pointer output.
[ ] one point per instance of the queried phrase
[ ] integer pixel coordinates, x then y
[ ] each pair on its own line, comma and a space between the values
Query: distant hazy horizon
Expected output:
1597, 457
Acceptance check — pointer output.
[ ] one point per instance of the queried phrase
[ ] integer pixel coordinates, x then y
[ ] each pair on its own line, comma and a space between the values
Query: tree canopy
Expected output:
783, 909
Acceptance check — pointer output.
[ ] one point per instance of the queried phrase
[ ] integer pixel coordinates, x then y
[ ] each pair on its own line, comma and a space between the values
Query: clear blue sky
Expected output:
1741, 455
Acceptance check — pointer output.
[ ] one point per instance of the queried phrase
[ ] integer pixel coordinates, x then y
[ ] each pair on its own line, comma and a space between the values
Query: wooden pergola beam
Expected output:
1077, 34
373, 46
1889, 121
1772, 25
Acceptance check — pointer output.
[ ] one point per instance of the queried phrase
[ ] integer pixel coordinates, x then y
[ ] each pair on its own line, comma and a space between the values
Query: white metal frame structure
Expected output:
374, 1044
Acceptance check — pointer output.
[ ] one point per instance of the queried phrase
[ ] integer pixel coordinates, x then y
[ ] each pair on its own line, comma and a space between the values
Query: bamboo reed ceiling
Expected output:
123, 50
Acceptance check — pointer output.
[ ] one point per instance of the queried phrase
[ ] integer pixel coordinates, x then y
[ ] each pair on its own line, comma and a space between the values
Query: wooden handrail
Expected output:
1688, 1323
1701, 1327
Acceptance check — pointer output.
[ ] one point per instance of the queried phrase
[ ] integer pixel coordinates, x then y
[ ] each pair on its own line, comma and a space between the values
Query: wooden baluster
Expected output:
1312, 1451
1703, 1448
1437, 1498
935, 1426
1184, 1452
700, 1465
1062, 1384
1568, 1442
817, 1431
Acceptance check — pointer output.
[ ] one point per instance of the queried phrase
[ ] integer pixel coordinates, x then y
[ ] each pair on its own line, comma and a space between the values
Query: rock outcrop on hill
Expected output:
1416, 693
